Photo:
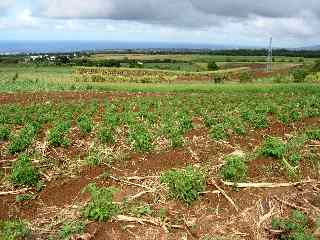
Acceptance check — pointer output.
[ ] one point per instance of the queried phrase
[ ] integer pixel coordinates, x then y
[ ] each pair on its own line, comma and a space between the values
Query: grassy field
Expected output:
195, 58
159, 161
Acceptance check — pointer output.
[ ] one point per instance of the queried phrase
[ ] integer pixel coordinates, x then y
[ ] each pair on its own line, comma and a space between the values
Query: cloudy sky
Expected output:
235, 22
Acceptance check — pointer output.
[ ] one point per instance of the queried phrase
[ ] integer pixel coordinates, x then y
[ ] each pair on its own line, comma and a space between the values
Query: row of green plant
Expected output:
146, 119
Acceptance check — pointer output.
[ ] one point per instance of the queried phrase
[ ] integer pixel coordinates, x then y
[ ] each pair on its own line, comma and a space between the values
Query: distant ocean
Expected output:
13, 47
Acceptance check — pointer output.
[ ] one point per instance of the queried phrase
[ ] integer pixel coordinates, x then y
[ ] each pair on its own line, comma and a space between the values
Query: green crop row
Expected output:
143, 120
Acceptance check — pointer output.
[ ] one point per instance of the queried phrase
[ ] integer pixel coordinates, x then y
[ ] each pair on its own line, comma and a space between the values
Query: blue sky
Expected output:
248, 22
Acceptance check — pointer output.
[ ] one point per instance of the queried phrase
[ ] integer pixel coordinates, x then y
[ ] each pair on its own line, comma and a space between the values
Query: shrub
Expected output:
273, 147
299, 75
235, 169
293, 228
212, 66
70, 228
184, 184
101, 207
84, 123
57, 135
4, 133
13, 229
23, 173
105, 135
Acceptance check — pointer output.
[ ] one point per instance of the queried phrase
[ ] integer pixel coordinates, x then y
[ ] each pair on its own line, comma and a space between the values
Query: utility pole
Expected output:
269, 58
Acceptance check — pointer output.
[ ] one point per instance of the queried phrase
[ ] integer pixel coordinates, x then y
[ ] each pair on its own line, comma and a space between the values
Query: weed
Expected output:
70, 228
57, 135
23, 173
219, 132
235, 169
313, 134
162, 214
4, 133
209, 120
185, 122
24, 197
239, 128
20, 142
212, 237
105, 135
141, 211
13, 229
94, 158
101, 207
184, 184
140, 139
293, 228
273, 147
111, 120
257, 118
84, 123
175, 138
260, 121
173, 134
295, 159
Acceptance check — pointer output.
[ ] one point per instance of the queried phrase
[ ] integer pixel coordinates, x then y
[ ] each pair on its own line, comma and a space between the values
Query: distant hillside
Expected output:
311, 48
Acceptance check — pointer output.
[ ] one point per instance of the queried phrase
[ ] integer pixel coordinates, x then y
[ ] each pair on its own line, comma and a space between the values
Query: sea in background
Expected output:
16, 47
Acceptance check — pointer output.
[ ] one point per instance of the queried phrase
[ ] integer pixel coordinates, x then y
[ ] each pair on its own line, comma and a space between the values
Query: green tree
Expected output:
212, 66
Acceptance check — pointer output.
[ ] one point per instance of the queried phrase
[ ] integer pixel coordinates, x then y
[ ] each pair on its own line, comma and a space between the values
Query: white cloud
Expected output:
215, 21
5, 5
